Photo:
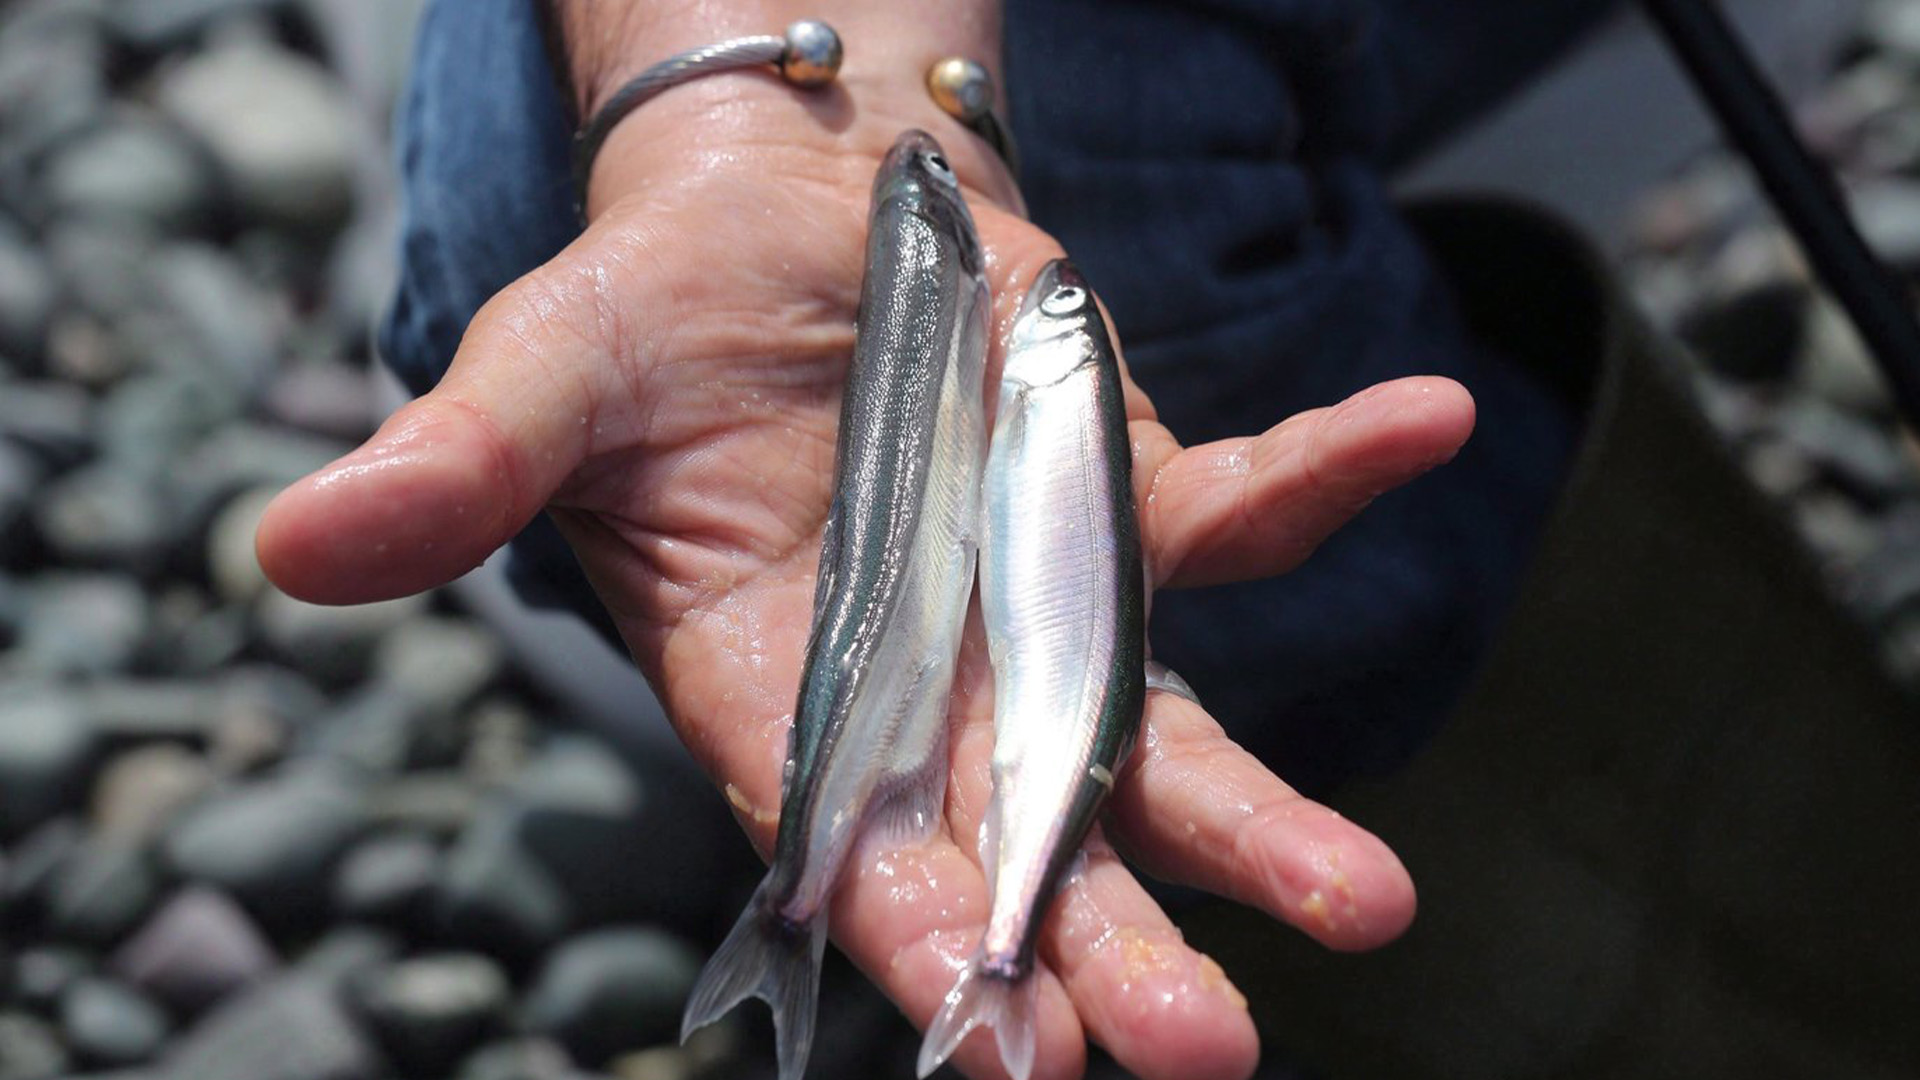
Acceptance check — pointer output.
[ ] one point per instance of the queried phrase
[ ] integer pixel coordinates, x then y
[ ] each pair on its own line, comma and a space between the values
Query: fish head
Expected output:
1059, 328
917, 179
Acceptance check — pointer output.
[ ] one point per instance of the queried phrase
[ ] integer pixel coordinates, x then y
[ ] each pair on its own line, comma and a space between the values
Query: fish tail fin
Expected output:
777, 961
984, 998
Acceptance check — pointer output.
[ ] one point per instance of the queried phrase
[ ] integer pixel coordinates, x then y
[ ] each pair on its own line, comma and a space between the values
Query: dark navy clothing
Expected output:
1216, 170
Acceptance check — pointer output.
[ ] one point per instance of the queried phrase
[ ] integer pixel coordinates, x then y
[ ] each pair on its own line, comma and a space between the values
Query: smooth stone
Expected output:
81, 624
435, 802
291, 1028
143, 789
110, 1024
102, 514
324, 397
1834, 527
129, 712
47, 751
439, 663
246, 455
132, 169
1887, 212
210, 320
42, 975
20, 479
333, 643
349, 952
196, 951
102, 267
379, 731
82, 350
155, 25
494, 897
518, 1059
101, 892
231, 561
271, 843
280, 125
151, 421
612, 991
30, 1049
28, 294
388, 880
52, 420
657, 1063
1853, 454
1779, 468
500, 741
430, 1011
578, 809
1836, 367
32, 865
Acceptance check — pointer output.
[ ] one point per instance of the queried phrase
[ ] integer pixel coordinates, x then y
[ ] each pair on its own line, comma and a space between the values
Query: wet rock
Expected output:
388, 880
438, 664
101, 892
578, 809
1887, 213
292, 1028
52, 420
612, 991
1836, 366
153, 419
101, 266
35, 861
246, 455
1854, 455
209, 320
380, 731
104, 515
81, 350
170, 24
47, 752
43, 974
331, 642
271, 843
30, 1049
1835, 528
20, 477
132, 169
658, 1063
231, 561
279, 125
197, 950
27, 294
429, 1012
143, 789
349, 952
130, 712
438, 803
496, 898
110, 1024
519, 1059
81, 624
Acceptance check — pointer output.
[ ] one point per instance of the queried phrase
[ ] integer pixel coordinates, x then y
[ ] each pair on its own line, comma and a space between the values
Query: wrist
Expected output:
880, 91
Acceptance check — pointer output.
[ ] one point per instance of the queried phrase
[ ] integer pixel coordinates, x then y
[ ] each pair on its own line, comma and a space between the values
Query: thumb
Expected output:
454, 475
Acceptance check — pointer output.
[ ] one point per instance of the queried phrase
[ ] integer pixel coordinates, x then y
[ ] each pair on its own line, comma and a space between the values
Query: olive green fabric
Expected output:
1675, 829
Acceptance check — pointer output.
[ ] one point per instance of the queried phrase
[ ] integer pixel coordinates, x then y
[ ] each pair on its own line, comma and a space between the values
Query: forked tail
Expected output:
774, 960
984, 998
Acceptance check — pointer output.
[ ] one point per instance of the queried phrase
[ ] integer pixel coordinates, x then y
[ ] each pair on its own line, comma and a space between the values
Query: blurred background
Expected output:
245, 837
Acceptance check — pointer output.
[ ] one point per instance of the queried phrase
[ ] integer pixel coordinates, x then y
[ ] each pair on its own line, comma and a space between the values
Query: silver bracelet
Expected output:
807, 55
964, 90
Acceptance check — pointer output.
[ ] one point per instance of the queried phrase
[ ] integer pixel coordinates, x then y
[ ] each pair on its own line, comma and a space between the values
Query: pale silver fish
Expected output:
868, 747
1063, 590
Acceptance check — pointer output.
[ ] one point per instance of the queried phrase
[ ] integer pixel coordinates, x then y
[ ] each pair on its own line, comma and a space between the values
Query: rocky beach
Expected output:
244, 837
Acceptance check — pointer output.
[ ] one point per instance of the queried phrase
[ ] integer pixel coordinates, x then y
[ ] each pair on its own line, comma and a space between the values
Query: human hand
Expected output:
669, 388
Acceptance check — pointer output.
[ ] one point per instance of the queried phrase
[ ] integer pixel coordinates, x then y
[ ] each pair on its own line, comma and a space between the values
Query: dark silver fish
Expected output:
1063, 591
896, 569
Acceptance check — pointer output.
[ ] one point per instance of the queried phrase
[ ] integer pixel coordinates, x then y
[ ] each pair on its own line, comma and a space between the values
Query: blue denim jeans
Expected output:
1216, 168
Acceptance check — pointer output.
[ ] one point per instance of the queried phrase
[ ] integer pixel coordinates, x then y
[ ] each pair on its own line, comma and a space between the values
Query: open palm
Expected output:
669, 388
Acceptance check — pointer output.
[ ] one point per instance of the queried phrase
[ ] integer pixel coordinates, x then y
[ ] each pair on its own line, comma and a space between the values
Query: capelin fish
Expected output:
867, 750
1063, 591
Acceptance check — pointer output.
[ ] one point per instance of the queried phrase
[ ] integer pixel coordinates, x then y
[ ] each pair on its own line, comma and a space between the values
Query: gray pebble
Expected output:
42, 975
197, 950
292, 1028
1836, 367
331, 642
495, 897
519, 1059
231, 561
209, 320
28, 293
324, 397
279, 125
103, 514
171, 24
271, 843
429, 1012
438, 663
388, 880
101, 892
47, 752
141, 790
52, 420
81, 624
132, 169
149, 422
110, 1024
612, 991
30, 1049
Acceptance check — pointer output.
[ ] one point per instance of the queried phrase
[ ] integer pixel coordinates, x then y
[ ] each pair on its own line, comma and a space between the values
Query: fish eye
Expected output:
937, 164
1064, 300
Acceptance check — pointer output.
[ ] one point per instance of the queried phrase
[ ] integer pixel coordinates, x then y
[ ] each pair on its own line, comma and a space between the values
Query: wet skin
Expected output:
669, 387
